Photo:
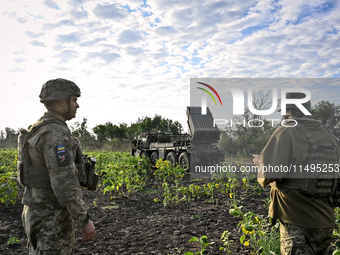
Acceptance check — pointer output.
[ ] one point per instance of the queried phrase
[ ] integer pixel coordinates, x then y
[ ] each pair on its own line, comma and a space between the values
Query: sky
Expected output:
135, 58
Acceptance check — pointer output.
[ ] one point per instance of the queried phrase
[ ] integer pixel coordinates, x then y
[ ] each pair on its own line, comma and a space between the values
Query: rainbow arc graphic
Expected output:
204, 102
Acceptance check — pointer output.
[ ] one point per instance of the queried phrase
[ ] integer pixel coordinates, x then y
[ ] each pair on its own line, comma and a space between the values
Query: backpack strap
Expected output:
308, 134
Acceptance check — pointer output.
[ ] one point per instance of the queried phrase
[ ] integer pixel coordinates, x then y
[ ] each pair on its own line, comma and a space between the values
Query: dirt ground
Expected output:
138, 225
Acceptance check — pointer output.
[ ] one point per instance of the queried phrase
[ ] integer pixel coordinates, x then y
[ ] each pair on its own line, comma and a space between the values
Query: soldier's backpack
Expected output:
29, 175
316, 183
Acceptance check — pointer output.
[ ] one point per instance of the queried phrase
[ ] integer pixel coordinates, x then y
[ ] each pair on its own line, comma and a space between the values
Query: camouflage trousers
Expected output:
49, 232
304, 241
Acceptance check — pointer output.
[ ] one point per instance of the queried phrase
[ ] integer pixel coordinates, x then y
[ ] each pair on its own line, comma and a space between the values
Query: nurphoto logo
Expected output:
204, 99
238, 97
238, 100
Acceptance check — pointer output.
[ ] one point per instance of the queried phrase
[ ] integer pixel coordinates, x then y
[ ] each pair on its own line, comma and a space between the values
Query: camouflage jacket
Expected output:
54, 147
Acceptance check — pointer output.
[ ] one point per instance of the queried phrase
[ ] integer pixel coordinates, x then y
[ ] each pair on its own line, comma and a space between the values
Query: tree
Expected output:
156, 124
9, 138
80, 131
99, 131
260, 100
110, 131
329, 114
240, 140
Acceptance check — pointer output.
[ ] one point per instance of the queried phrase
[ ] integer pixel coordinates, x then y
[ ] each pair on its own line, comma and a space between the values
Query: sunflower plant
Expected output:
259, 234
165, 171
8, 176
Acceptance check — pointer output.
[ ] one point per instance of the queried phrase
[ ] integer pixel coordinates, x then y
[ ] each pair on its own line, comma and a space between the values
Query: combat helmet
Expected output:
296, 95
58, 89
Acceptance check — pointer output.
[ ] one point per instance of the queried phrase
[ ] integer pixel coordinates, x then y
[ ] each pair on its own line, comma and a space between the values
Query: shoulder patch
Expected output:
62, 156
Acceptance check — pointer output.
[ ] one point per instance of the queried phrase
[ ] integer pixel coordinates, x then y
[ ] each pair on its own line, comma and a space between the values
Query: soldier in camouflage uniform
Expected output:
53, 203
303, 206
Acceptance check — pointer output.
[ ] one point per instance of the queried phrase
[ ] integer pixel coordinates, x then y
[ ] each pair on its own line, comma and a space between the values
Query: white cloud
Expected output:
17, 70
37, 43
33, 35
133, 4
93, 42
50, 4
69, 38
79, 14
150, 51
105, 55
66, 55
109, 11
129, 36
134, 51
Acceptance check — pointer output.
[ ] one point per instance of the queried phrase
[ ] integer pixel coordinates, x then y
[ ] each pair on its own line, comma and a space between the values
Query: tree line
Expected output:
242, 140
105, 136
238, 142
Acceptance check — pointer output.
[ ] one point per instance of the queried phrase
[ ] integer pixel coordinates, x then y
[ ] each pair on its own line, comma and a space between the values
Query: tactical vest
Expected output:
31, 175
36, 176
321, 184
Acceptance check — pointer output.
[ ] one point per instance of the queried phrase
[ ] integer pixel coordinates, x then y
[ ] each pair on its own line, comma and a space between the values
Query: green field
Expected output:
122, 174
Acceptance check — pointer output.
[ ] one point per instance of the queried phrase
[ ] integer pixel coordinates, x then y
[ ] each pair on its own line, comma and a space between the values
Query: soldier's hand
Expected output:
257, 160
88, 232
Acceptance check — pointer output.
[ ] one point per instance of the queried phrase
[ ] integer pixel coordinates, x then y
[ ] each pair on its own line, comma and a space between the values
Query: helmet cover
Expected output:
58, 89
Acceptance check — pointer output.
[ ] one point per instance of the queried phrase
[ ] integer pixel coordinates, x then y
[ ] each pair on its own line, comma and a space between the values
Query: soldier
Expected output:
50, 166
303, 205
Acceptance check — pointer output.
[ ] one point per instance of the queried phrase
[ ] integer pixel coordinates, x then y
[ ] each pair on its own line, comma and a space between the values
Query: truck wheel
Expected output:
172, 157
183, 161
139, 144
145, 153
153, 159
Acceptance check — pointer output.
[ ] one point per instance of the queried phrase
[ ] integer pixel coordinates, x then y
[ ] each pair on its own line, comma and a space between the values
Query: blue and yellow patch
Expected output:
62, 156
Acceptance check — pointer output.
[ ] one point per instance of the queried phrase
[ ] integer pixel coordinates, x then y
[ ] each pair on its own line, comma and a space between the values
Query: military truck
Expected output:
195, 148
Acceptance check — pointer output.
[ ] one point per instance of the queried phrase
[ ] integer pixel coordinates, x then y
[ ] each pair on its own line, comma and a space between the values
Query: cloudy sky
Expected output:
135, 58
